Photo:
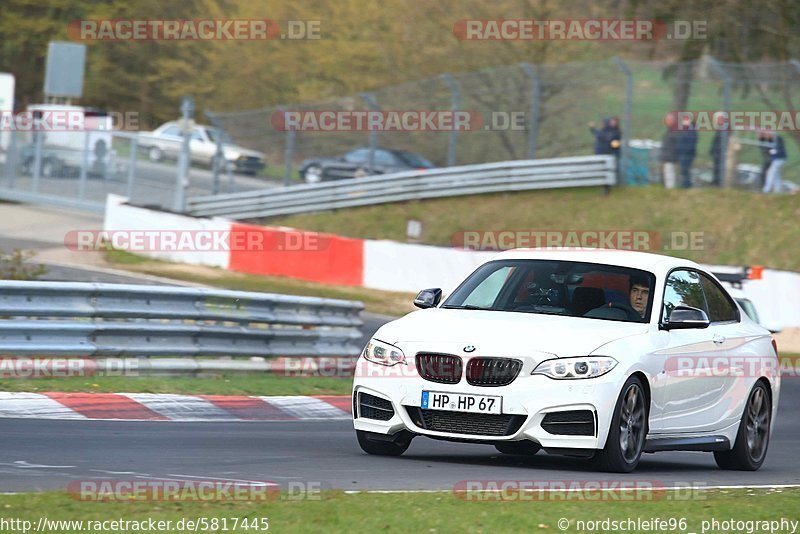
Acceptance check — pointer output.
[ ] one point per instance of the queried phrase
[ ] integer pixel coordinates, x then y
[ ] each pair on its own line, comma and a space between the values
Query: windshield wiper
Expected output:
465, 307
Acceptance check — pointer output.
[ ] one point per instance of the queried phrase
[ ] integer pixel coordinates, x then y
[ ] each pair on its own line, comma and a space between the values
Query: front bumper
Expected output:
530, 398
248, 164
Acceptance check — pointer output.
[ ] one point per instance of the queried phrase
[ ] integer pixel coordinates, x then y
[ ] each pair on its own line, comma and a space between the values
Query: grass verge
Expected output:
336, 511
232, 384
381, 302
738, 228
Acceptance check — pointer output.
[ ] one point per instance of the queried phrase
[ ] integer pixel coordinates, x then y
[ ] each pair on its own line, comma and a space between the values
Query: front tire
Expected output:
752, 440
380, 445
626, 436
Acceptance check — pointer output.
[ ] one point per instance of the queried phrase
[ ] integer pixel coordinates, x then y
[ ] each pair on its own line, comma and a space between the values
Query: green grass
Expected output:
738, 227
382, 302
224, 384
335, 511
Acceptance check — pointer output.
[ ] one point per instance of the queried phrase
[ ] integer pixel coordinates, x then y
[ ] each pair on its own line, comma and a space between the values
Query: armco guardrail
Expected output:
504, 176
105, 320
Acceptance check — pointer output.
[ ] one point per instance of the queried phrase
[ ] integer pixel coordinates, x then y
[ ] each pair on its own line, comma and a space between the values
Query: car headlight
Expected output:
575, 368
383, 353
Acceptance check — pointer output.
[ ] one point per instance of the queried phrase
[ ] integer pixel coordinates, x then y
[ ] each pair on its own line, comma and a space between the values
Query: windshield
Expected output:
415, 160
573, 289
212, 134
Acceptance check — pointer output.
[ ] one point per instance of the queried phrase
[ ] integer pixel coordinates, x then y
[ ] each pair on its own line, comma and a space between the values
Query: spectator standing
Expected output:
777, 153
686, 150
669, 154
607, 139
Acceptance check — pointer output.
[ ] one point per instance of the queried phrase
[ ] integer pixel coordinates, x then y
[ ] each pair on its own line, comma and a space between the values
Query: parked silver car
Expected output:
165, 142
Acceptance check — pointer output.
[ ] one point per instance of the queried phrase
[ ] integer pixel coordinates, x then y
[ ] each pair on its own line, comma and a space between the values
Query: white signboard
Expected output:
6, 104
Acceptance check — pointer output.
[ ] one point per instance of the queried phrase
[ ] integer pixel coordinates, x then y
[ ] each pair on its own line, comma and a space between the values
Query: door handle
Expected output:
718, 339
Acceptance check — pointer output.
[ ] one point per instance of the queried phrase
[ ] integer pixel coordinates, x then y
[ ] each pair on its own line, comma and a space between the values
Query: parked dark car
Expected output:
355, 164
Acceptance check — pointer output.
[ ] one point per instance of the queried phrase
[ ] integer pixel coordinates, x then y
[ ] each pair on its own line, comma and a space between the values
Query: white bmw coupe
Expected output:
592, 353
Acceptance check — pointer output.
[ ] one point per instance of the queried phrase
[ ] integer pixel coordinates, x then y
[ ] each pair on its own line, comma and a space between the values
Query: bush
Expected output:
14, 267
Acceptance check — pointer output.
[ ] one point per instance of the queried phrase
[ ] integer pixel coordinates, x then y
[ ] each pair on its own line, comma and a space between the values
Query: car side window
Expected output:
720, 307
357, 156
384, 157
172, 130
683, 288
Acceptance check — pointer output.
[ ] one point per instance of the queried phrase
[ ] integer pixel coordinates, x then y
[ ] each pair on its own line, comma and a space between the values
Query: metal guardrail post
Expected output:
372, 104
533, 121
626, 121
455, 105
726, 107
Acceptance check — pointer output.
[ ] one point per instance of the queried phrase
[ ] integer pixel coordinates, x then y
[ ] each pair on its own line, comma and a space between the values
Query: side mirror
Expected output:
683, 317
428, 298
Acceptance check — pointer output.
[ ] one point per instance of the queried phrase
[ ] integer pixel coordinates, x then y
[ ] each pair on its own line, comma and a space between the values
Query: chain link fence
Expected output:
543, 111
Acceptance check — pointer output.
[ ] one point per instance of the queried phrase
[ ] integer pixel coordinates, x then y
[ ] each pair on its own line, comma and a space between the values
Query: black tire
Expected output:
522, 448
628, 431
373, 444
752, 439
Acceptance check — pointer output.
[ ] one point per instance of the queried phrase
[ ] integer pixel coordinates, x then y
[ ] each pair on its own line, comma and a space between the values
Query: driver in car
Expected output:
639, 294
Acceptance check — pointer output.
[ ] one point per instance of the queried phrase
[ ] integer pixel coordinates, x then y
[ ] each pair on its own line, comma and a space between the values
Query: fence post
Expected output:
288, 152
84, 165
533, 122
455, 105
626, 121
132, 165
184, 157
372, 104
219, 153
726, 107
38, 143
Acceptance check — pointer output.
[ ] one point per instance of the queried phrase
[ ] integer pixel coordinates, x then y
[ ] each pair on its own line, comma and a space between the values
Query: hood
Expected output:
495, 333
236, 150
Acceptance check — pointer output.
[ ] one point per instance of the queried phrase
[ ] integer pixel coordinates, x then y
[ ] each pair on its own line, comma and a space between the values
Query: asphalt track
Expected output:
47, 454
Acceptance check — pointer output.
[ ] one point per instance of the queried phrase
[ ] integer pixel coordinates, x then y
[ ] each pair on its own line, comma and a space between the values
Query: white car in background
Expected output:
166, 141
593, 353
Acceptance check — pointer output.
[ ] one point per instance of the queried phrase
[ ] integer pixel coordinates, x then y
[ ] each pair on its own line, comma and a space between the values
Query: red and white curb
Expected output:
169, 407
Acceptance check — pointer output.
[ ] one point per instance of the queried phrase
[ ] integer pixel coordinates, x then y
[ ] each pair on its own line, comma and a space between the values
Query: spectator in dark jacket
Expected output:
765, 138
777, 153
686, 149
669, 153
607, 139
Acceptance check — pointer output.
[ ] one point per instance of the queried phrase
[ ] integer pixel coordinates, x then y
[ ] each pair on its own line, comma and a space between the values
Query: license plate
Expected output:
461, 402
